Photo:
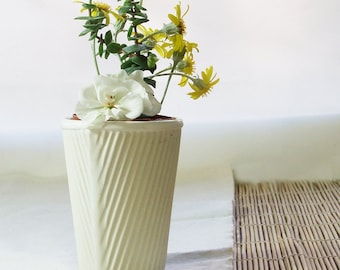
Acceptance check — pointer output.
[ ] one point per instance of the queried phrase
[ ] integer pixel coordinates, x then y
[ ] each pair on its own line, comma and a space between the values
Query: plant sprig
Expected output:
141, 47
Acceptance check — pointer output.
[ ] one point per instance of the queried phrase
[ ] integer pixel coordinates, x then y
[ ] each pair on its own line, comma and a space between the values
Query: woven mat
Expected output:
289, 225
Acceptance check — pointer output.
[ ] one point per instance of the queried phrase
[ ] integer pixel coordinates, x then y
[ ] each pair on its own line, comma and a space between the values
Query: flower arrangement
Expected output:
122, 32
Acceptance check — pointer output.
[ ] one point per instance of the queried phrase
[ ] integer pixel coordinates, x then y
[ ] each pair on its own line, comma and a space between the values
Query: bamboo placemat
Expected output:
287, 225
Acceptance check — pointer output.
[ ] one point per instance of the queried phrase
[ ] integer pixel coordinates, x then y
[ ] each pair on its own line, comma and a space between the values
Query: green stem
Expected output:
170, 74
169, 79
167, 83
95, 56
151, 35
159, 73
94, 47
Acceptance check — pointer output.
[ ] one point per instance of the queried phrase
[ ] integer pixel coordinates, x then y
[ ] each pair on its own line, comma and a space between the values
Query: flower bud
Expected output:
182, 65
152, 60
199, 83
170, 29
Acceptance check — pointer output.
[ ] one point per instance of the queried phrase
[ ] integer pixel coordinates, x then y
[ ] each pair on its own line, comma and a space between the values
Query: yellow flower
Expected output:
102, 6
177, 40
106, 10
178, 43
187, 66
153, 38
189, 46
102, 9
178, 18
203, 86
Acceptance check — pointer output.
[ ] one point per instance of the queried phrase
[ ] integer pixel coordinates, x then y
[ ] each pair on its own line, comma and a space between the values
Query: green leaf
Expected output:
88, 6
89, 18
93, 35
108, 37
136, 63
141, 15
140, 61
139, 36
94, 27
101, 49
113, 47
131, 69
126, 64
150, 82
129, 33
139, 21
139, 7
132, 38
125, 8
134, 48
85, 32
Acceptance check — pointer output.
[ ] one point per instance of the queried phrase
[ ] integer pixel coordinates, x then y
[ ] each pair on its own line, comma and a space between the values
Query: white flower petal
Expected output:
151, 104
93, 117
131, 106
88, 97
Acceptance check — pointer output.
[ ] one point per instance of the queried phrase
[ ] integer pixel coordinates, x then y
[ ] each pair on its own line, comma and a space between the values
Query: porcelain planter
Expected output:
121, 179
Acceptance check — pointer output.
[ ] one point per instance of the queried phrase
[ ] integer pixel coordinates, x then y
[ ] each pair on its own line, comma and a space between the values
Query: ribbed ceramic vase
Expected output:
121, 179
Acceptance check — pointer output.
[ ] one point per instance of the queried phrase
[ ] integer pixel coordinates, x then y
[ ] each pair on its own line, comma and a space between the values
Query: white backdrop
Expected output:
274, 58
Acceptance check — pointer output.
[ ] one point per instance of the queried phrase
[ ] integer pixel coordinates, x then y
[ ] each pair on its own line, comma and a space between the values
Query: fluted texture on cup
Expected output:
121, 183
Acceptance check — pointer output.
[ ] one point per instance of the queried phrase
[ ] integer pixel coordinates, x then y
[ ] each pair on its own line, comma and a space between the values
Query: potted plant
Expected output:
121, 154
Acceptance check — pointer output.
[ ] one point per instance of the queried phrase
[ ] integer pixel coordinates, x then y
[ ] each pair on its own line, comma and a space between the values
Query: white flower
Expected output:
117, 97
